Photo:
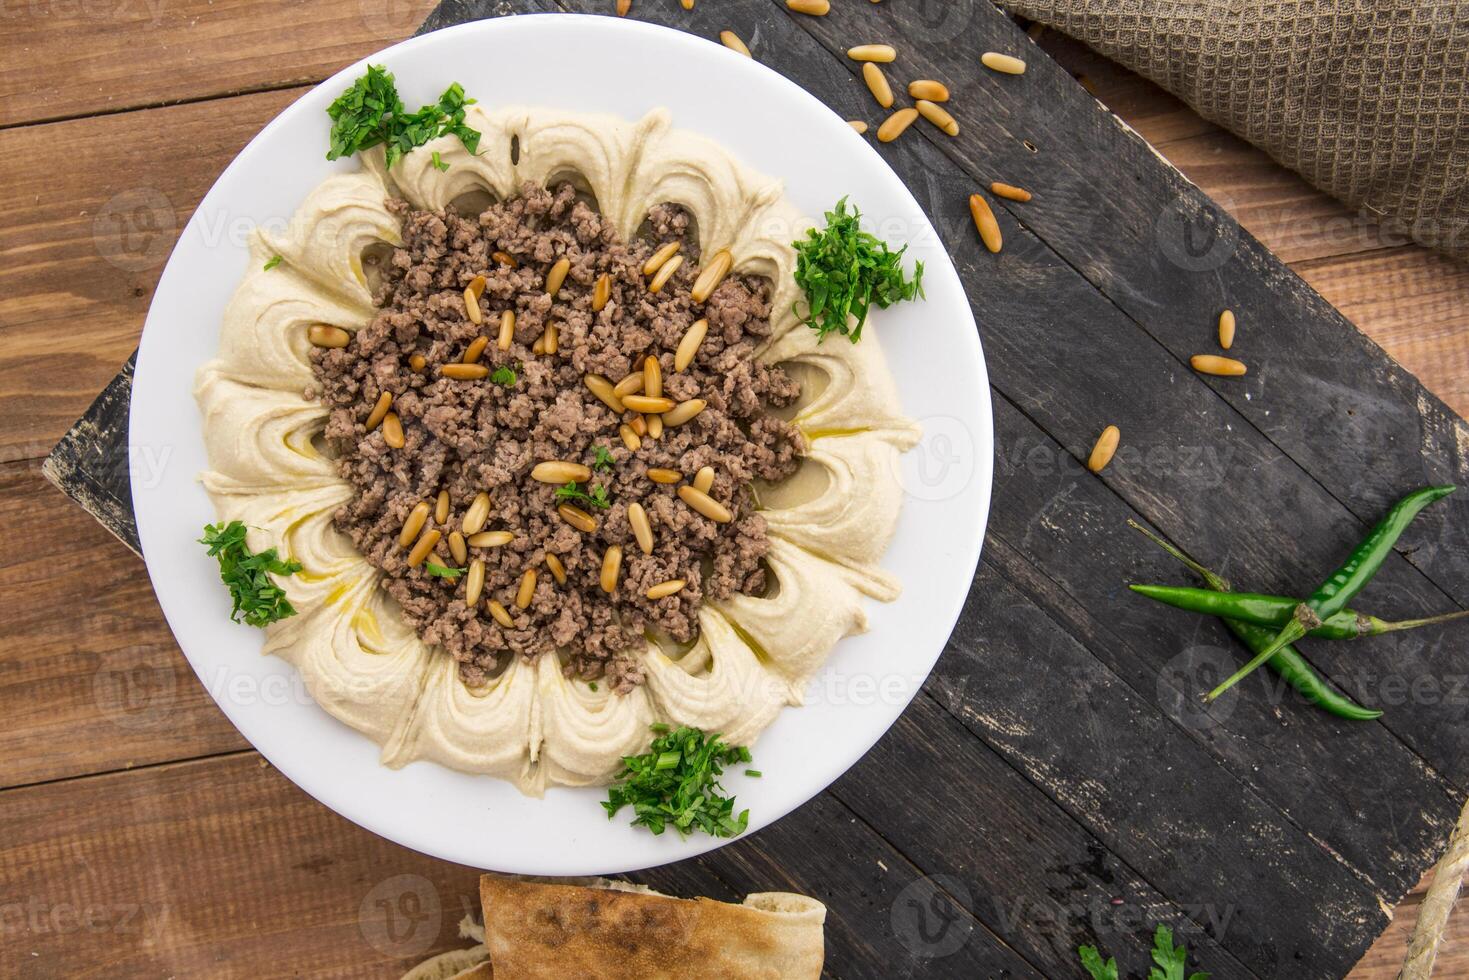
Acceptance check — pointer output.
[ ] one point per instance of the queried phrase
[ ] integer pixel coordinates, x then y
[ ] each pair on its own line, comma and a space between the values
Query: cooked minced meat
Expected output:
468, 436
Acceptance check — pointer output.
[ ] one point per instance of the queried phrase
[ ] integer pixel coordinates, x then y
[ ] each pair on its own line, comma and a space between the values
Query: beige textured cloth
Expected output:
1367, 100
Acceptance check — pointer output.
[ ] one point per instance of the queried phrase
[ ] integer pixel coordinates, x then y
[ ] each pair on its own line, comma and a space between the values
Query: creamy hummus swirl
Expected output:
828, 525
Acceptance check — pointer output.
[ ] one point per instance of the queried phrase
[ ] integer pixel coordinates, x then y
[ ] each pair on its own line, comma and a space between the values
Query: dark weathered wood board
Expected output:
1056, 783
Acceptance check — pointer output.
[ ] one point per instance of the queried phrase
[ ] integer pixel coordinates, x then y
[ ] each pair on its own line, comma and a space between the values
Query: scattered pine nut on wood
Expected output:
985, 223
687, 4
623, 6
877, 84
1226, 329
816, 8
893, 126
1224, 367
732, 41
927, 88
1003, 63
1105, 448
873, 52
937, 115
1009, 193
858, 125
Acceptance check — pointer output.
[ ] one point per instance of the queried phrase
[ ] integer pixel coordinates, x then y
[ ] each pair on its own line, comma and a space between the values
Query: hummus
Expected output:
828, 525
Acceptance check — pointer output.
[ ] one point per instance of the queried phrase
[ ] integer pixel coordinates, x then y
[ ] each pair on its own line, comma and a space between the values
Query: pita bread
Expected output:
612, 931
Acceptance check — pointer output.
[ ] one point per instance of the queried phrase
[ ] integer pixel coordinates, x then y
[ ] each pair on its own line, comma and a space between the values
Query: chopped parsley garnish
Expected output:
371, 113
845, 271
596, 496
601, 459
754, 773
676, 782
272, 262
1170, 962
592, 685
505, 376
440, 571
439, 163
258, 601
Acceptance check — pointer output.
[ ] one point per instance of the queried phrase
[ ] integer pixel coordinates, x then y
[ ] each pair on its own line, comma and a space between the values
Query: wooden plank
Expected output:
103, 685
66, 60
102, 877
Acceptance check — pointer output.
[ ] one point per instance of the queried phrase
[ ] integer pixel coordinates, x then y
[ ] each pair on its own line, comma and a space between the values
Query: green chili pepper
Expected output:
1275, 611
1288, 663
1343, 584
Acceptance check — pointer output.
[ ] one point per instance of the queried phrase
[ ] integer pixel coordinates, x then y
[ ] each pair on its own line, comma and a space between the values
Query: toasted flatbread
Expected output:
611, 931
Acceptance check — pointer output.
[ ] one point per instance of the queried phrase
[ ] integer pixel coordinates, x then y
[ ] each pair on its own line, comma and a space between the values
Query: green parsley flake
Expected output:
370, 113
272, 262
595, 497
676, 782
257, 600
440, 571
505, 376
845, 271
601, 459
439, 163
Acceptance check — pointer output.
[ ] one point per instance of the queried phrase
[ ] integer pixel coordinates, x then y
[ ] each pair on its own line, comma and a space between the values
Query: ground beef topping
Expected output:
465, 436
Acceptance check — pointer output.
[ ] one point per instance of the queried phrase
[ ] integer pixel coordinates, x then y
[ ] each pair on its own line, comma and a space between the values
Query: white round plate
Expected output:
623, 67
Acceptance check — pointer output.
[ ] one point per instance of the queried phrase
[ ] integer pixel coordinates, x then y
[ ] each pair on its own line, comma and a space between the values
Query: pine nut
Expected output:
393, 431
474, 582
858, 125
500, 613
475, 349
472, 294
577, 518
704, 479
1009, 193
539, 347
665, 273
557, 275
464, 372
872, 52
985, 223
527, 590
689, 345
380, 410
893, 126
705, 504
711, 275
687, 4
1103, 451
623, 6
551, 340
639, 424
416, 363
1004, 63
489, 539
658, 475
559, 471
507, 330
630, 439
732, 41
441, 507
1226, 367
652, 378
458, 548
655, 426
601, 292
425, 544
413, 523
505, 258
647, 404
927, 88
630, 385
655, 262
1226, 329
877, 84
665, 589
558, 570
611, 568
642, 529
684, 411
602, 388
477, 515
816, 8
321, 335
937, 115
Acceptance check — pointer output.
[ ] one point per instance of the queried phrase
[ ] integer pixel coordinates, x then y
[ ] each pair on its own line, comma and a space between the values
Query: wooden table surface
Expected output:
115, 118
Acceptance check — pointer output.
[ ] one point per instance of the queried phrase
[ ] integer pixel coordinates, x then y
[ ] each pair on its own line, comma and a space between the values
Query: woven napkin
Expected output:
1367, 99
